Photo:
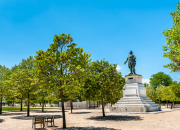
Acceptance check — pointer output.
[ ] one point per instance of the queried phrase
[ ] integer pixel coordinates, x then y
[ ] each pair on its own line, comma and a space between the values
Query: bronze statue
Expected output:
131, 62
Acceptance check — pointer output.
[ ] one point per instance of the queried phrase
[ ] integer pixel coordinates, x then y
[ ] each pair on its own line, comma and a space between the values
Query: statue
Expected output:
131, 62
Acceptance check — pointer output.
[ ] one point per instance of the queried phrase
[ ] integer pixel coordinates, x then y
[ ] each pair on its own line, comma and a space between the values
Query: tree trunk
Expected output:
50, 102
94, 104
43, 105
89, 102
28, 105
1, 106
63, 112
40, 103
71, 104
21, 104
167, 103
103, 108
172, 104
159, 102
13, 102
111, 104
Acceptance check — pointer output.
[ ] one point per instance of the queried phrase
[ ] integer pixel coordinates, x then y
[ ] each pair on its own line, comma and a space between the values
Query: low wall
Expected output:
83, 104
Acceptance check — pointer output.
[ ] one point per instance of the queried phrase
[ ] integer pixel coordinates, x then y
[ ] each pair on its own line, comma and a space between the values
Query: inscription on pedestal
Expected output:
143, 91
130, 92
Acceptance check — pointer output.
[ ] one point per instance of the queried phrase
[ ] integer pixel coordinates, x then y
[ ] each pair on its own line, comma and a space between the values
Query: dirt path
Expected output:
84, 119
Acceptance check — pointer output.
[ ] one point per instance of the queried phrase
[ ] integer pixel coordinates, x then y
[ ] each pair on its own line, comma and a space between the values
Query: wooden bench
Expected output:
50, 119
38, 120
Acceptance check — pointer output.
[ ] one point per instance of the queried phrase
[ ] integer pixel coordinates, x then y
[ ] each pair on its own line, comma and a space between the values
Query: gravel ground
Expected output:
92, 119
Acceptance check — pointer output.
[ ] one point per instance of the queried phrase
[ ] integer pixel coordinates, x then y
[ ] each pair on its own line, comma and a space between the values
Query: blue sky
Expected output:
105, 28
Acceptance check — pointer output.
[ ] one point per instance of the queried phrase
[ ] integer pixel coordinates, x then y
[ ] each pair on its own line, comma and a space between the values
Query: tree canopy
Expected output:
106, 82
4, 71
54, 66
151, 93
172, 48
160, 78
176, 88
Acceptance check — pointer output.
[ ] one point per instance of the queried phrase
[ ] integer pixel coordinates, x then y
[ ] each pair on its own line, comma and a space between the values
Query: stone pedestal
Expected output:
134, 98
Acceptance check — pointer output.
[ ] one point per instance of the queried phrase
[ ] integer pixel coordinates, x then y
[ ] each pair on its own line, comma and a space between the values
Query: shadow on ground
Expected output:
77, 128
85, 128
33, 116
80, 112
1, 120
115, 118
40, 111
11, 113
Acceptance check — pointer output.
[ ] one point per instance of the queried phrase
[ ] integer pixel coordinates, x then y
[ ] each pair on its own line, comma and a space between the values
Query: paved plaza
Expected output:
92, 119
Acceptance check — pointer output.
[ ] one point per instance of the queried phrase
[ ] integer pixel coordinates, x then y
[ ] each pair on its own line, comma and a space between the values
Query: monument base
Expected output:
134, 98
136, 104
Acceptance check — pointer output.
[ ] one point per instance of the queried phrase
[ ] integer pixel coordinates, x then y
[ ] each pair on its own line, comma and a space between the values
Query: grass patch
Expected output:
18, 108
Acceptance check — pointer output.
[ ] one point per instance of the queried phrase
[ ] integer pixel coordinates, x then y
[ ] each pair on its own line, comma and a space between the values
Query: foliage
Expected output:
145, 84
105, 83
151, 93
33, 105
14, 85
116, 82
176, 88
3, 90
172, 48
87, 89
160, 78
50, 98
53, 66
22, 79
159, 92
168, 94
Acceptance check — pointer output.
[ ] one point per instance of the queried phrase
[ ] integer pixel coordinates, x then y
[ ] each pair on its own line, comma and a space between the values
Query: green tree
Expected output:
159, 93
73, 83
176, 88
4, 71
172, 48
16, 89
41, 93
168, 95
160, 78
54, 64
25, 75
151, 93
11, 91
50, 98
86, 92
107, 81
116, 82
145, 84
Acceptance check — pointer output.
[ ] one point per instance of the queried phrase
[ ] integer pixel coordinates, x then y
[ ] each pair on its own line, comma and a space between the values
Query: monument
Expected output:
134, 93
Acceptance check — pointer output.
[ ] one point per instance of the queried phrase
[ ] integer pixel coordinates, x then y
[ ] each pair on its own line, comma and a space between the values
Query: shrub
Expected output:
51, 106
